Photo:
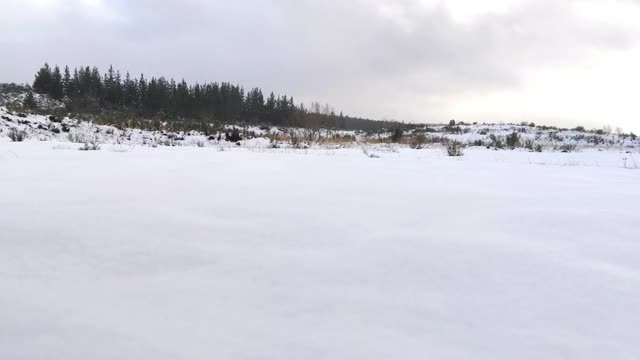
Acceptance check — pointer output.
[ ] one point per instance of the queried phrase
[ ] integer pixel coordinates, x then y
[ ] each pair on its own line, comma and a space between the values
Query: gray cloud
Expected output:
348, 53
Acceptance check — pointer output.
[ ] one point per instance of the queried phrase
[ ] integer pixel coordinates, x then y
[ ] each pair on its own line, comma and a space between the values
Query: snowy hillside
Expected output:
496, 136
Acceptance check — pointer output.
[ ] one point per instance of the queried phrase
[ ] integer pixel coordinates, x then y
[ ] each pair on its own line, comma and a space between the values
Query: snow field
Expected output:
195, 253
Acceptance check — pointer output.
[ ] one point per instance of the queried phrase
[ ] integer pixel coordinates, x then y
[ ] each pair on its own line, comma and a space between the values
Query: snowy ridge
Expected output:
17, 99
51, 128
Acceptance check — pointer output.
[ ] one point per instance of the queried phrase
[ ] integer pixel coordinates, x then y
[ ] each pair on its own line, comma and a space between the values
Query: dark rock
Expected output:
233, 136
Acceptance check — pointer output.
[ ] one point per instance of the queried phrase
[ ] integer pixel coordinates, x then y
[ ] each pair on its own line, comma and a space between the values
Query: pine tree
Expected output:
142, 92
30, 101
42, 82
95, 81
117, 89
66, 82
57, 87
130, 90
74, 85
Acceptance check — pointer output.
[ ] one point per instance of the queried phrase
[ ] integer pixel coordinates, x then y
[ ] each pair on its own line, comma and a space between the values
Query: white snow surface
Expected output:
195, 253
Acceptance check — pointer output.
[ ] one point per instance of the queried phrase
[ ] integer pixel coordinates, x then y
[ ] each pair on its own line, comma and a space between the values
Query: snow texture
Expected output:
196, 253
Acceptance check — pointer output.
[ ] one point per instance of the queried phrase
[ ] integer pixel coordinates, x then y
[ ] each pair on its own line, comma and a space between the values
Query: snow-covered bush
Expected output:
17, 135
454, 148
528, 144
496, 141
77, 138
90, 146
296, 140
513, 140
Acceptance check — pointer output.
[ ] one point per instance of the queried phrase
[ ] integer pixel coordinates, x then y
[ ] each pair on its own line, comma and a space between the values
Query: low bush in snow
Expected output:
528, 144
396, 135
567, 147
295, 139
418, 142
17, 135
369, 155
513, 140
77, 138
90, 146
454, 148
496, 141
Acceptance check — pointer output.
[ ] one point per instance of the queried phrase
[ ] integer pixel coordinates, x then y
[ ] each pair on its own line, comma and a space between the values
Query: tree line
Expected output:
86, 90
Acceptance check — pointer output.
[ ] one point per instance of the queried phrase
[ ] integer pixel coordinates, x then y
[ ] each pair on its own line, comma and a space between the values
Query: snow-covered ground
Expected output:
196, 253
48, 128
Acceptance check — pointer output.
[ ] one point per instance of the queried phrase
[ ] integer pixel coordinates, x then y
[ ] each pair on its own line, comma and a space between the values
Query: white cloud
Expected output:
466, 11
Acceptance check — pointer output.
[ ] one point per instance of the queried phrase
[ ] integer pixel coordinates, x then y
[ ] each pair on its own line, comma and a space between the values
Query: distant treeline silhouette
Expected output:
86, 90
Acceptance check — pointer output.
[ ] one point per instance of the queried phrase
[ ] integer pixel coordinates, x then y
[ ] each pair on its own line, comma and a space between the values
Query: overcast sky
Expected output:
564, 62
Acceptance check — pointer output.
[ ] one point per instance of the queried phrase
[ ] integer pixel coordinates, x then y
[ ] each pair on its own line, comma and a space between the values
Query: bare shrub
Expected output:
369, 155
92, 145
513, 140
529, 144
496, 141
630, 162
168, 142
565, 148
396, 135
295, 139
17, 135
454, 148
77, 138
313, 135
418, 142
